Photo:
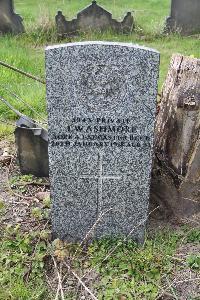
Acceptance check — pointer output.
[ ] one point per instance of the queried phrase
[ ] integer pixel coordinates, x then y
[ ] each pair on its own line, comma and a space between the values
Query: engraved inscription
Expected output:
100, 132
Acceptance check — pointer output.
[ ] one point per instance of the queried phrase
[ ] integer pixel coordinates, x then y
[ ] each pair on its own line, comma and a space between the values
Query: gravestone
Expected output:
185, 17
9, 21
101, 109
93, 17
32, 147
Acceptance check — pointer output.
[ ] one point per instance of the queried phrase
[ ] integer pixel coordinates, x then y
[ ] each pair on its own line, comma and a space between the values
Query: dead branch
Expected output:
187, 280
22, 72
32, 183
124, 240
59, 281
81, 282
91, 231
24, 102
11, 107
174, 282
133, 229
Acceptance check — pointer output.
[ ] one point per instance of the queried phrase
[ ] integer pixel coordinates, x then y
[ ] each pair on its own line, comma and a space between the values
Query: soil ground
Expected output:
18, 207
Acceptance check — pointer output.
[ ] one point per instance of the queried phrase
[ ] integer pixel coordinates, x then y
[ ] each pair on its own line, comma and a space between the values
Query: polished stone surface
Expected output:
101, 109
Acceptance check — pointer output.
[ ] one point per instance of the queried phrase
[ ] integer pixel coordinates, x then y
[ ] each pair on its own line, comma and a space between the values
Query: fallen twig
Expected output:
24, 102
31, 183
174, 282
22, 72
119, 243
90, 232
59, 281
81, 282
130, 233
189, 221
11, 107
18, 113
187, 280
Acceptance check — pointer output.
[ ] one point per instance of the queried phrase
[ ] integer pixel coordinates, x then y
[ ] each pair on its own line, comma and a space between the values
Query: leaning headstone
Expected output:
32, 147
185, 17
101, 109
9, 21
93, 17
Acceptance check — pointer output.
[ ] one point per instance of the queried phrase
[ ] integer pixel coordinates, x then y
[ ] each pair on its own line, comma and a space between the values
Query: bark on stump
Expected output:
176, 173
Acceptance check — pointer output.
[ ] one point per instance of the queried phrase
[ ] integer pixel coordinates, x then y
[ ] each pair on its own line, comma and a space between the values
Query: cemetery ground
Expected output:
31, 266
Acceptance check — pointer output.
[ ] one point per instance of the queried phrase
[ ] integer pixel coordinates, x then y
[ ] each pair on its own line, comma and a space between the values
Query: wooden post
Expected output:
176, 173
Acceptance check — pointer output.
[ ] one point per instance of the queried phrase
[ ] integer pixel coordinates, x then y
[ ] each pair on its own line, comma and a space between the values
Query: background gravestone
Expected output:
185, 17
93, 17
9, 21
101, 109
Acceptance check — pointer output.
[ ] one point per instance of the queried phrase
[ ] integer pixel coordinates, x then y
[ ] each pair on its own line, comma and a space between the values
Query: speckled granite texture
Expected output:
101, 110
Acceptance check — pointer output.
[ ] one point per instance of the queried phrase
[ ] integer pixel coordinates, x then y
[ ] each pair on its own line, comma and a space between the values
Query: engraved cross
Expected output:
100, 177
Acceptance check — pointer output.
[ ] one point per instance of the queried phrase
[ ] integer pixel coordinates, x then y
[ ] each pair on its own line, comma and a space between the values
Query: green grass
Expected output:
131, 272
134, 272
27, 51
148, 13
19, 254
5, 130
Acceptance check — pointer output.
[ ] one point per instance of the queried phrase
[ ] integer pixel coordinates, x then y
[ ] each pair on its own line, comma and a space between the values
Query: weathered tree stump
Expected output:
176, 173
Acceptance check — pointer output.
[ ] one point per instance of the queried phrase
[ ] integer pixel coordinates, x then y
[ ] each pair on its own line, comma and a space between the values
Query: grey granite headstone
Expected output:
9, 21
101, 109
185, 17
